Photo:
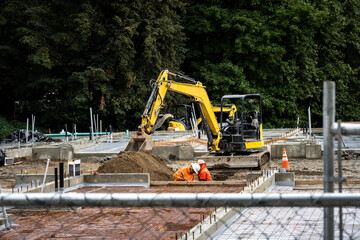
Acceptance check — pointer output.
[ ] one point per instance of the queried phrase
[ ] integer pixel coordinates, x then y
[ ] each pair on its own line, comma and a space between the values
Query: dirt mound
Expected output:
30, 160
138, 162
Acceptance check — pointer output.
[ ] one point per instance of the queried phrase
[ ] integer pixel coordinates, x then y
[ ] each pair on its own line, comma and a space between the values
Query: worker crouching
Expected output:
187, 173
204, 174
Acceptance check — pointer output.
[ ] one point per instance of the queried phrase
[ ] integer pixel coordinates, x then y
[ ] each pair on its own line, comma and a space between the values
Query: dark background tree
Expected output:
283, 50
59, 58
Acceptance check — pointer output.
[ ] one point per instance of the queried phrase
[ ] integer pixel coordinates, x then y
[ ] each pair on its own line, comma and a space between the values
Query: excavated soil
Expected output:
30, 160
22, 165
138, 162
30, 165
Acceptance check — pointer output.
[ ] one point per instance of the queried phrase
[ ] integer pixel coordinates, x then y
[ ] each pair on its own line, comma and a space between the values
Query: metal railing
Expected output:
331, 129
198, 200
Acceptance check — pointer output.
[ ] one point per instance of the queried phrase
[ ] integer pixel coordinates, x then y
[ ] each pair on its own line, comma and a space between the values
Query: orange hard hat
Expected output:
201, 161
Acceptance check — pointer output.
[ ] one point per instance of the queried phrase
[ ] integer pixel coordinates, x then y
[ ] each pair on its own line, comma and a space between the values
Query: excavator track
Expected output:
253, 160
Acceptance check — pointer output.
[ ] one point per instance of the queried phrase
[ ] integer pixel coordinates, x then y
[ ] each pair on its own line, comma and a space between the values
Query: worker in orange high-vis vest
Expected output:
187, 173
204, 174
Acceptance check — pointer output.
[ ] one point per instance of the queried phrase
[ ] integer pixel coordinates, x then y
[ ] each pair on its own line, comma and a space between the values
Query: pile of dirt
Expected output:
30, 160
26, 165
138, 162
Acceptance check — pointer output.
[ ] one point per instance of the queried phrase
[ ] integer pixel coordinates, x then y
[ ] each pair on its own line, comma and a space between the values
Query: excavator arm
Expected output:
195, 90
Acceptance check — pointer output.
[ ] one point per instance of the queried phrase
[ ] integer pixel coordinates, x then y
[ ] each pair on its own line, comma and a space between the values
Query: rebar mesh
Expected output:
93, 216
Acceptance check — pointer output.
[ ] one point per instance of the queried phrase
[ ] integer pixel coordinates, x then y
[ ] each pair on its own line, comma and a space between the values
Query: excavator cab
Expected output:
244, 134
182, 118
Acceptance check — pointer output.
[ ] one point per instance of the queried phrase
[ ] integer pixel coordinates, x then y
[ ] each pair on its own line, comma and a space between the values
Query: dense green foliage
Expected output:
59, 58
7, 127
281, 49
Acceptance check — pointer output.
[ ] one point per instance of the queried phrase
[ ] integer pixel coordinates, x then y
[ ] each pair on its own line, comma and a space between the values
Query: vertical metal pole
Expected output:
46, 170
100, 126
340, 177
90, 134
328, 120
7, 224
95, 126
297, 126
33, 126
110, 129
91, 125
72, 131
27, 130
61, 176
309, 112
66, 131
56, 179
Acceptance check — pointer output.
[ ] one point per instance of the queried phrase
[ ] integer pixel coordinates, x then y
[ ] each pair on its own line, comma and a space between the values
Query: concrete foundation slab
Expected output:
61, 152
15, 153
143, 178
175, 152
296, 150
28, 178
313, 151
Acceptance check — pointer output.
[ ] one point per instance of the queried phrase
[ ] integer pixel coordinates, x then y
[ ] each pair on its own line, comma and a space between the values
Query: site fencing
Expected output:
178, 215
279, 214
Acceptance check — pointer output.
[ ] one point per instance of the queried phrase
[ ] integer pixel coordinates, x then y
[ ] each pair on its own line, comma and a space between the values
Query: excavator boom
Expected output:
197, 93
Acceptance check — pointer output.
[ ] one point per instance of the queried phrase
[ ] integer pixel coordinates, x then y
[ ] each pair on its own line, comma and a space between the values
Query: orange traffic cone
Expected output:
285, 162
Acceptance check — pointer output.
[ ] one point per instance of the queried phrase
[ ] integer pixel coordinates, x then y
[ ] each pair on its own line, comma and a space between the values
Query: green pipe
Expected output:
77, 134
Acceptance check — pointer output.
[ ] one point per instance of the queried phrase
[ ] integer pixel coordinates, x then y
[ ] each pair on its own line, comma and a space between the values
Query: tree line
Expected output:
61, 57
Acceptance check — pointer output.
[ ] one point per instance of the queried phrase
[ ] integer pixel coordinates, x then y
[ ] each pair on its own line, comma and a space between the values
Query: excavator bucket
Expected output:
141, 142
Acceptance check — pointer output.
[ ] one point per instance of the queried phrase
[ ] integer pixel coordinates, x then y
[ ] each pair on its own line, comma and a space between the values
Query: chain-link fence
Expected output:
176, 215
283, 212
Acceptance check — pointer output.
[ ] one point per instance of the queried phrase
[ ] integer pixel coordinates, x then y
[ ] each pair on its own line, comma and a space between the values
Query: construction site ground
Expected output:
113, 223
304, 169
149, 223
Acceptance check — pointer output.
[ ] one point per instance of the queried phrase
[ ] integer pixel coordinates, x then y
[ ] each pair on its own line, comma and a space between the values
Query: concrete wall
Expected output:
142, 178
27, 178
285, 179
118, 178
57, 153
175, 152
313, 151
302, 150
68, 182
22, 152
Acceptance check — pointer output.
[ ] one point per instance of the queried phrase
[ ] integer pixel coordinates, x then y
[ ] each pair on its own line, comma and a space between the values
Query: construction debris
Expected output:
20, 135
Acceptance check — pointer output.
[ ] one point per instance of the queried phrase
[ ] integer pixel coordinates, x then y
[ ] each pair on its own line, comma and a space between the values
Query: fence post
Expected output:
328, 120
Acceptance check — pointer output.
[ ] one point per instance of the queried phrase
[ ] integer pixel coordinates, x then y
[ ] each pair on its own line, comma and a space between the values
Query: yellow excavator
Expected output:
184, 121
228, 141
